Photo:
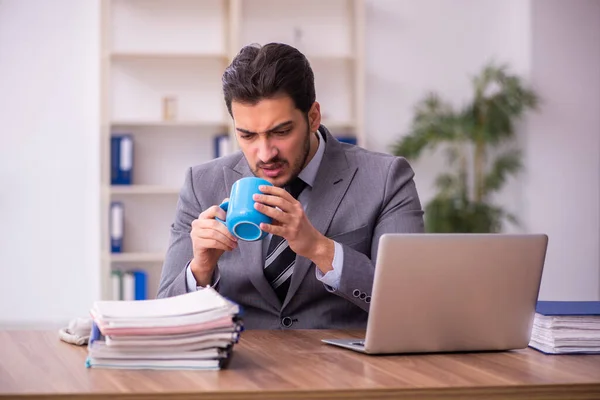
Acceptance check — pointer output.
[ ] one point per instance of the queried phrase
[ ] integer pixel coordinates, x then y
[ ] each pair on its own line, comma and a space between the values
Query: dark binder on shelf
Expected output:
121, 159
117, 224
128, 286
221, 145
116, 277
346, 139
141, 285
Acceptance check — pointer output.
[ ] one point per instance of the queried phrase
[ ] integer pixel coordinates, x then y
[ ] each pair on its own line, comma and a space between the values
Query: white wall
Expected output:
436, 45
49, 165
49, 169
554, 44
562, 187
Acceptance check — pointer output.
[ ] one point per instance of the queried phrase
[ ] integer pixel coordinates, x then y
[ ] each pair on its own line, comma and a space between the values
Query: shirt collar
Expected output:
309, 173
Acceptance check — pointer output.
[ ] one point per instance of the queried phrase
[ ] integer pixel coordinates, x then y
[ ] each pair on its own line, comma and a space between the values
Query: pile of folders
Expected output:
566, 327
196, 330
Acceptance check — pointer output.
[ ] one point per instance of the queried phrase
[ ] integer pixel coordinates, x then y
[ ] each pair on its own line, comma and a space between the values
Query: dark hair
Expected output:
260, 72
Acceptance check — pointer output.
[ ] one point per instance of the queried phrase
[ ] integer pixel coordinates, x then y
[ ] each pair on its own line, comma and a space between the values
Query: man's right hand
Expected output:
210, 238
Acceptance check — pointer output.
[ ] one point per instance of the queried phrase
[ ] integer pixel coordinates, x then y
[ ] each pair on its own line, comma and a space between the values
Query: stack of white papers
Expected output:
566, 327
196, 330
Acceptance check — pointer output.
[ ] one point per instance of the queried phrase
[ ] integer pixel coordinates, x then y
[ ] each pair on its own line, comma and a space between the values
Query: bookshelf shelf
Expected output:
330, 57
161, 63
170, 124
166, 56
333, 125
137, 257
143, 189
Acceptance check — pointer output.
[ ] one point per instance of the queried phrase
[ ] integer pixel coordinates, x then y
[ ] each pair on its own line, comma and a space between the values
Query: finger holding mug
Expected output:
210, 239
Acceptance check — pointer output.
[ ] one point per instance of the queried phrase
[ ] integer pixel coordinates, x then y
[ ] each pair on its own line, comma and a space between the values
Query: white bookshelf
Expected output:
334, 125
206, 124
167, 56
179, 48
143, 189
137, 258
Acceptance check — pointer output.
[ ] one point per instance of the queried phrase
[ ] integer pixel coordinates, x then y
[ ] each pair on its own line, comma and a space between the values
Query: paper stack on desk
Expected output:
195, 330
566, 327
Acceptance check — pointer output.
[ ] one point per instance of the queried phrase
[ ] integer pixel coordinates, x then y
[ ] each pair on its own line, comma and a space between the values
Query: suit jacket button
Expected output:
363, 296
356, 293
287, 322
368, 299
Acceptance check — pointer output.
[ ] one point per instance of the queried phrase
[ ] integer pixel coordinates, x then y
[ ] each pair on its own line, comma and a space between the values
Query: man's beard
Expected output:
297, 165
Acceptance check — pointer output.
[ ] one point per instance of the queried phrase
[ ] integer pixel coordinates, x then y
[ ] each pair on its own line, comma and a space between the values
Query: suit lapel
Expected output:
251, 257
332, 182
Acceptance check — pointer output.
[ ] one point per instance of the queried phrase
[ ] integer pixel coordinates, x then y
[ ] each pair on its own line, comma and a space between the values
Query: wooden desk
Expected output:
296, 365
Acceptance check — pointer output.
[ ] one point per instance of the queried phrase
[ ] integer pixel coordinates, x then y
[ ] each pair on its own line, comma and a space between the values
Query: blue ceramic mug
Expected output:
243, 220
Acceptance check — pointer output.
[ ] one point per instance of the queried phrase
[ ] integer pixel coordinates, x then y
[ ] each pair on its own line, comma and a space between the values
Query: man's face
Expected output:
275, 137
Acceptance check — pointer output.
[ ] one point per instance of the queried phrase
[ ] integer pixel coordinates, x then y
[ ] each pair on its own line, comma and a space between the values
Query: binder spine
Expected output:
121, 159
117, 223
126, 160
346, 139
128, 286
117, 285
141, 286
115, 151
221, 145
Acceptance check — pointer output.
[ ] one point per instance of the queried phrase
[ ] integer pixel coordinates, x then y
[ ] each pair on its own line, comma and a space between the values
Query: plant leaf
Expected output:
434, 122
480, 126
500, 98
446, 182
504, 165
512, 218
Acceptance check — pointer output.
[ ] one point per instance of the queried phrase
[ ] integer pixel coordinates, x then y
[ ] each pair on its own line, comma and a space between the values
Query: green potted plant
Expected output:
479, 140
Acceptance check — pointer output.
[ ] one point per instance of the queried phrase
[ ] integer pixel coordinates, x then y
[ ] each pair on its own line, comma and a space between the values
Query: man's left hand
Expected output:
291, 223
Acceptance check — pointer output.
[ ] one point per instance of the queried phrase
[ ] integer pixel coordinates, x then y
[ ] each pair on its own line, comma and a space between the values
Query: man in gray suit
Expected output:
315, 268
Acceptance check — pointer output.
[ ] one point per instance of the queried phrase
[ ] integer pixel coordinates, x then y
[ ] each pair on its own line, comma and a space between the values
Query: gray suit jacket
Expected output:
358, 195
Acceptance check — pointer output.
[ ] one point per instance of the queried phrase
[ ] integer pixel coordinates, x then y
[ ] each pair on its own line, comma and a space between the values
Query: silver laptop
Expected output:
452, 293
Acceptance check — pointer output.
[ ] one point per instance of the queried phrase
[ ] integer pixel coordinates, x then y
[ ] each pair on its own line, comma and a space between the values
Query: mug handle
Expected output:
224, 206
